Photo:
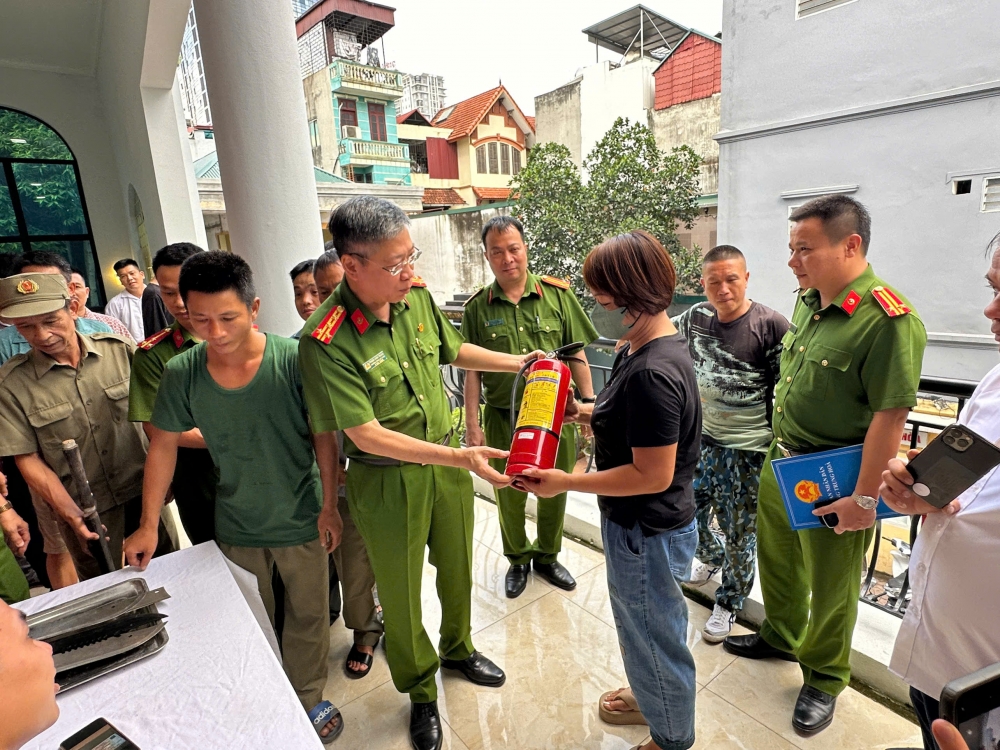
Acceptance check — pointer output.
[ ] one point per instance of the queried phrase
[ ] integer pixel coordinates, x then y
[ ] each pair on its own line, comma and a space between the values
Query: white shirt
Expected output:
952, 626
128, 309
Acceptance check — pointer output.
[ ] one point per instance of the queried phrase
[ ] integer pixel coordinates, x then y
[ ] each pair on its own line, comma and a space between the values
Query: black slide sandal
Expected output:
361, 657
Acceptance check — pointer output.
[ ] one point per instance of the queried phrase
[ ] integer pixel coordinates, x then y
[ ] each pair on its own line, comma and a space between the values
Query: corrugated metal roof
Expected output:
207, 168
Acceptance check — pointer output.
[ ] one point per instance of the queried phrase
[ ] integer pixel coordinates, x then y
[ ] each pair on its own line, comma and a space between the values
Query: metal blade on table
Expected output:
107, 648
93, 609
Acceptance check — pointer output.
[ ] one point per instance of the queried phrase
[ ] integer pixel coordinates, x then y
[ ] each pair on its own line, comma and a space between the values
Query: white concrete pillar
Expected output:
259, 115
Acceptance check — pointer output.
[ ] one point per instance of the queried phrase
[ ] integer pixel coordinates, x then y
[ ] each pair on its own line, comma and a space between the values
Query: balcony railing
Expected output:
375, 150
363, 78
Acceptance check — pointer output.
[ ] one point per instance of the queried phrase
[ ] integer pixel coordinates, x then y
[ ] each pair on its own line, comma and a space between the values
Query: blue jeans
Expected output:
651, 616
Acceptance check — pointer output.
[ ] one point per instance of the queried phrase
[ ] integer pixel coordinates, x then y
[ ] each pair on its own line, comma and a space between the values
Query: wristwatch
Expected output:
865, 501
591, 400
4, 507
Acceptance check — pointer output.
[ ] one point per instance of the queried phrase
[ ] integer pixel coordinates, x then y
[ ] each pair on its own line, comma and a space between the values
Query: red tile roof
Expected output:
400, 119
491, 194
442, 197
463, 117
692, 71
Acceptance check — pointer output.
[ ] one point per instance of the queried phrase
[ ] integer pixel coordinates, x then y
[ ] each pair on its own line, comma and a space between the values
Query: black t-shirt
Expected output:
651, 400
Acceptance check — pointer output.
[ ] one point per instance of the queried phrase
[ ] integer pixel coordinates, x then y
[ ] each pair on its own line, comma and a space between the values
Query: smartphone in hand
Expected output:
972, 704
952, 462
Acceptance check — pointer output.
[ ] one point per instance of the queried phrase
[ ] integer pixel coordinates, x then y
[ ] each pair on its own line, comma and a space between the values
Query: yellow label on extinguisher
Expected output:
538, 405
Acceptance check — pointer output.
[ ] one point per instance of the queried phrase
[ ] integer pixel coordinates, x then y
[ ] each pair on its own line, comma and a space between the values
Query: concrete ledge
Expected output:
874, 634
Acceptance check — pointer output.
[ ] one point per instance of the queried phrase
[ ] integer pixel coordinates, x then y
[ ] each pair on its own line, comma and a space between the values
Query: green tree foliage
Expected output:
632, 185
48, 192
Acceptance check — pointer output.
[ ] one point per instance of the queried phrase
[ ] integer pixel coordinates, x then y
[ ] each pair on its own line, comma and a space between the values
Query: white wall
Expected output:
606, 95
926, 241
776, 67
452, 261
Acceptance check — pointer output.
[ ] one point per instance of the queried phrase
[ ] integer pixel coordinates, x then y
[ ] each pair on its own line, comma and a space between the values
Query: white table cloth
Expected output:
216, 684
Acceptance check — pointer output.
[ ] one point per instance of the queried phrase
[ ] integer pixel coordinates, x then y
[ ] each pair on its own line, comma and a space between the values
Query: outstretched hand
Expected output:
477, 460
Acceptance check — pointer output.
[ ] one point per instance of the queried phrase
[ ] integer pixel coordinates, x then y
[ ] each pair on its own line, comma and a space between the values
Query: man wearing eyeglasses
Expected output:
369, 358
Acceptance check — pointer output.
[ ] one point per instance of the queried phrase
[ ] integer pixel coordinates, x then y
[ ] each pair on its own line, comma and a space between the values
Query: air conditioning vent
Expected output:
350, 131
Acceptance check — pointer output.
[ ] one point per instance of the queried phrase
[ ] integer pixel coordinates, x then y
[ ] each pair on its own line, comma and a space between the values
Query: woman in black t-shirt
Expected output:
647, 431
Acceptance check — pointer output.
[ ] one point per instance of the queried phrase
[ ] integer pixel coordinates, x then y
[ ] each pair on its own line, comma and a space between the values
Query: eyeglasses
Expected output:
398, 268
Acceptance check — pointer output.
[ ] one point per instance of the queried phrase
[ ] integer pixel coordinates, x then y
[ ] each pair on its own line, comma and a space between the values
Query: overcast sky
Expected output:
533, 46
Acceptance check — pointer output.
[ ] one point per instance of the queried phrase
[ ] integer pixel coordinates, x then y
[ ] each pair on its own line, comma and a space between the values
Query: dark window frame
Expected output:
376, 122
349, 106
24, 238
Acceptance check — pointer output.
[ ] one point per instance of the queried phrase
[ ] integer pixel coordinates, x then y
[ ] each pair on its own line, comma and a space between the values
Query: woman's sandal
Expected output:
361, 657
621, 718
322, 714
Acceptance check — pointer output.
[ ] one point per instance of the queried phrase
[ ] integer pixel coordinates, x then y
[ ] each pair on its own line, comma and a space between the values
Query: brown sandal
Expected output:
621, 718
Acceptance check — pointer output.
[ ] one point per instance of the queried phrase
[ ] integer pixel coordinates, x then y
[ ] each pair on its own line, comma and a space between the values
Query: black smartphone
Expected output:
952, 462
972, 703
98, 735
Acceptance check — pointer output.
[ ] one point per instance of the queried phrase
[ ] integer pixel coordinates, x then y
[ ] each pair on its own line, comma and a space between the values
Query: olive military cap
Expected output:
28, 294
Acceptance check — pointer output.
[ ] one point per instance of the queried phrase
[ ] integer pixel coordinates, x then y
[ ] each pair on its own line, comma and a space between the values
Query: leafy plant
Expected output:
631, 184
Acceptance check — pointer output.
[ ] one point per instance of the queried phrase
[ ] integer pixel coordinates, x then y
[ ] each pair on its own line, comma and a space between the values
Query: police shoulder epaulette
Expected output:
153, 340
328, 326
417, 281
553, 281
889, 302
474, 295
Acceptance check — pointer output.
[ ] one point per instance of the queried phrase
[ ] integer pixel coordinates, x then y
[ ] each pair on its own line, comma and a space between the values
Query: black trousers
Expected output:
927, 710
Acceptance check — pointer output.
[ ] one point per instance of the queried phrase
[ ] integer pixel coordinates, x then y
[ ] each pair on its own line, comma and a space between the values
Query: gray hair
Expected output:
365, 220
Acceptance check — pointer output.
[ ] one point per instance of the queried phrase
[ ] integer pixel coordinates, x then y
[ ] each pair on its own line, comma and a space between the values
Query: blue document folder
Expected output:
816, 477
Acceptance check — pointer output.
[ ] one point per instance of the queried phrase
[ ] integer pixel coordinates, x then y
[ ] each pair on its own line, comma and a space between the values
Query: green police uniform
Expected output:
546, 317
355, 369
840, 364
196, 476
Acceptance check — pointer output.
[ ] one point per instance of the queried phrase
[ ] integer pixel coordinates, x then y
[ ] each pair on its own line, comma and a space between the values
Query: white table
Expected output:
216, 684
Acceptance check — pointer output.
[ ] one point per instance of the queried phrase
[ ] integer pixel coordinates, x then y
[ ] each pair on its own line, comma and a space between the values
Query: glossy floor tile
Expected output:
560, 652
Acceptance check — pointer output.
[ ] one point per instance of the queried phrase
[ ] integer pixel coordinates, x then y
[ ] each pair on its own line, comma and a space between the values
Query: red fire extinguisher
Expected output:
536, 430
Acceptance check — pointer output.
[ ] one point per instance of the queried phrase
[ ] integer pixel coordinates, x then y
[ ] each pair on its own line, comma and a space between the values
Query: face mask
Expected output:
623, 311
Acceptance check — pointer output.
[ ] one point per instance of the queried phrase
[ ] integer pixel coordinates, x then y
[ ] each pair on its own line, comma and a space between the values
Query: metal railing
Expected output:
375, 150
366, 75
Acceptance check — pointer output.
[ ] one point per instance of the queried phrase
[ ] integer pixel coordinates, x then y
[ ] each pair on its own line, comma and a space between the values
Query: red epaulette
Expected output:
417, 281
329, 325
475, 294
553, 281
889, 302
153, 340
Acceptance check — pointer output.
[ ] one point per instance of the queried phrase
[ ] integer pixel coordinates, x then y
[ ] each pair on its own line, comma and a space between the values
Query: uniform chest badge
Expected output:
495, 322
420, 327
374, 362
27, 286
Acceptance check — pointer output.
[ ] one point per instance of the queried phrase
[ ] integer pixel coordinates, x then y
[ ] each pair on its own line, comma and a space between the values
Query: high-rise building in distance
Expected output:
423, 92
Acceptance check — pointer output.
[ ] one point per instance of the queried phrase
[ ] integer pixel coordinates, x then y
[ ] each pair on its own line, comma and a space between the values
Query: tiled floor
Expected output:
560, 652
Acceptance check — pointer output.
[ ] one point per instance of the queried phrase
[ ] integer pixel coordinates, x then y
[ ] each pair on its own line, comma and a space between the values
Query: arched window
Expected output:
41, 197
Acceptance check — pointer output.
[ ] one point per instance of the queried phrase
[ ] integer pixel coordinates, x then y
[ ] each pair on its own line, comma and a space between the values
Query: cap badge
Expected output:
27, 286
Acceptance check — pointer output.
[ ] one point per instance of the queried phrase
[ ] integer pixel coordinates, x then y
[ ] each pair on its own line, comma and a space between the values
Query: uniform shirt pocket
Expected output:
53, 424
117, 395
821, 371
388, 390
548, 332
497, 339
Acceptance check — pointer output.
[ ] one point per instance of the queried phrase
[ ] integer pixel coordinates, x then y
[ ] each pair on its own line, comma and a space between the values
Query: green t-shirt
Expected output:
548, 316
258, 435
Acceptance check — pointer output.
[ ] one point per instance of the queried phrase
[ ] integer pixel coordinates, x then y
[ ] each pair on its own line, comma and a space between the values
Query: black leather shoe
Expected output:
813, 710
425, 726
477, 669
754, 647
517, 579
556, 574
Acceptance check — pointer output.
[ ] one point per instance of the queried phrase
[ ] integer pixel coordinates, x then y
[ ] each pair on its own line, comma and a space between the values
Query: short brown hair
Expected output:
634, 270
